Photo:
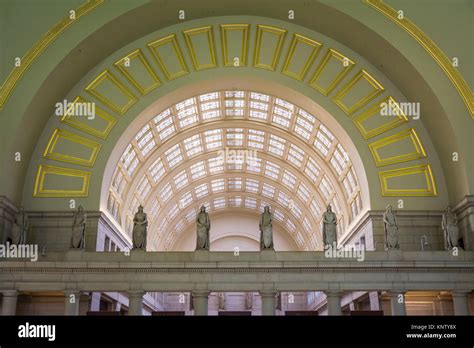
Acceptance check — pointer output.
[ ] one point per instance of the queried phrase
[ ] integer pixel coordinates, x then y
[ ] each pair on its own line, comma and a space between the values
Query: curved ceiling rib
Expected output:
180, 153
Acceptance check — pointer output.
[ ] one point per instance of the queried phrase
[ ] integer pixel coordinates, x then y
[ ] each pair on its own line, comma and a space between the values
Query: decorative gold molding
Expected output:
300, 40
38, 48
188, 36
362, 75
106, 75
58, 134
170, 39
418, 153
44, 170
280, 34
433, 50
424, 169
374, 111
225, 29
134, 56
72, 121
331, 54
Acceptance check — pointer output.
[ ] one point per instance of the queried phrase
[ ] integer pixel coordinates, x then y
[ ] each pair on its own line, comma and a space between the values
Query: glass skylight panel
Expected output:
162, 115
185, 200
142, 131
165, 128
306, 225
255, 139
173, 155
206, 115
234, 103
193, 145
303, 192
163, 225
336, 165
255, 165
178, 227
302, 132
258, 106
185, 104
284, 104
173, 212
296, 210
143, 187
198, 170
335, 206
272, 170
190, 216
154, 208
259, 96
235, 166
208, 96
312, 169
258, 115
326, 132
322, 143
250, 203
310, 118
251, 185
325, 187
181, 179
235, 136
213, 138
278, 215
234, 94
283, 198
187, 117
119, 181
268, 190
276, 145
209, 106
234, 112
165, 192
235, 184
235, 201
157, 170
201, 190
217, 185
288, 179
315, 208
219, 203
150, 146
216, 164
347, 187
295, 155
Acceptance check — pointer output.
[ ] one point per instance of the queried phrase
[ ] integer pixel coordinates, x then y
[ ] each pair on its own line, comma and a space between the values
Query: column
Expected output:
71, 302
333, 299
397, 301
460, 302
200, 302
374, 301
9, 301
268, 302
135, 302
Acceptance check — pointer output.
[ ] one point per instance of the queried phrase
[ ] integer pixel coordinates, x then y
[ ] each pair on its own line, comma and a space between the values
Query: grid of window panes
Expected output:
306, 176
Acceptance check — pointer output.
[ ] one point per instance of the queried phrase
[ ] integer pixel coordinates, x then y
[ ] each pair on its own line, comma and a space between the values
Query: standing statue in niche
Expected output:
329, 228
390, 226
449, 223
20, 228
266, 229
203, 227
78, 237
221, 297
140, 224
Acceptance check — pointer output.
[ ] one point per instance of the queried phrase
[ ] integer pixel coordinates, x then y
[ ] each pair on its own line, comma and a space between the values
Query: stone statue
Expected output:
329, 228
203, 227
391, 229
78, 238
248, 300
221, 297
449, 224
266, 229
20, 228
140, 224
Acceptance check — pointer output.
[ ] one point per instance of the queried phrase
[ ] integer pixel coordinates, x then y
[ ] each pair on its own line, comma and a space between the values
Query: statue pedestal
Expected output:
395, 254
137, 255
267, 255
202, 255
74, 255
